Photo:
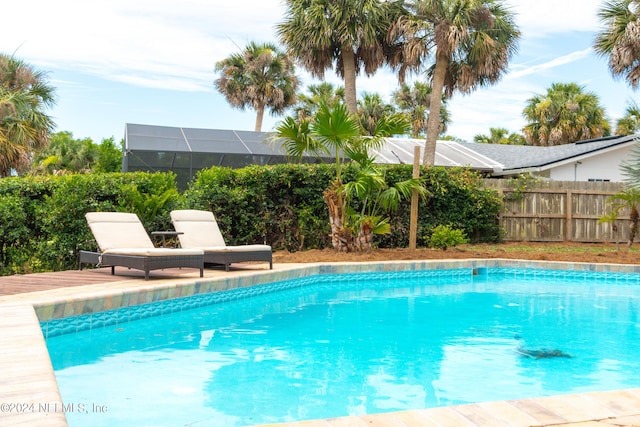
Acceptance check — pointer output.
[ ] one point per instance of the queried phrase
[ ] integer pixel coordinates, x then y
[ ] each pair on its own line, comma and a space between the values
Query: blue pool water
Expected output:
352, 344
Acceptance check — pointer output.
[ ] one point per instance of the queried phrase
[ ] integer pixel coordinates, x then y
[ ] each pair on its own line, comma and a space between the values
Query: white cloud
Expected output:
157, 43
542, 18
523, 71
497, 106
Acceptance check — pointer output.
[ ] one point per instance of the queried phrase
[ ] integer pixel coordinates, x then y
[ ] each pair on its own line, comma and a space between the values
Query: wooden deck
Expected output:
23, 283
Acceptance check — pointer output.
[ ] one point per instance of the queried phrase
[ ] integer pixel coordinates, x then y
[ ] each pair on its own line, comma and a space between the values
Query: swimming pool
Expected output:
326, 346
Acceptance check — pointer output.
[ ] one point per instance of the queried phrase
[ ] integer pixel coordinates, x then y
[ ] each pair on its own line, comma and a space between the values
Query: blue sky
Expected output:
152, 62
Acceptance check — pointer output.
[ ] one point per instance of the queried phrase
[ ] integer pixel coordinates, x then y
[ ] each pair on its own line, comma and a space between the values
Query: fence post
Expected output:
413, 218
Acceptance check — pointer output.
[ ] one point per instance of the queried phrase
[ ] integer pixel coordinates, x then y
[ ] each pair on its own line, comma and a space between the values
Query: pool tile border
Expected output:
83, 303
26, 313
113, 316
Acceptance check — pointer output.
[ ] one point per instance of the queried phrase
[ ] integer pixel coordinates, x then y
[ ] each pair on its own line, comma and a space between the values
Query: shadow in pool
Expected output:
542, 353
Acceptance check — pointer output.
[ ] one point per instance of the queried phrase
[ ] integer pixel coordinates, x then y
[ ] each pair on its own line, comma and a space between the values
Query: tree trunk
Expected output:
364, 240
634, 217
341, 238
259, 118
433, 122
349, 67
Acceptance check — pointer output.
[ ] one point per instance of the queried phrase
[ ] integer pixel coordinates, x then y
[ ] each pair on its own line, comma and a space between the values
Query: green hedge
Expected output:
281, 205
458, 200
284, 204
43, 217
42, 222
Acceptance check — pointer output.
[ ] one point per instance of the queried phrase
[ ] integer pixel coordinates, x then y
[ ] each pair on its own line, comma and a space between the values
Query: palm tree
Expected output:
335, 130
415, 101
565, 114
371, 108
630, 197
66, 155
619, 39
323, 93
626, 200
611, 218
259, 77
24, 126
631, 168
630, 122
376, 198
347, 35
473, 42
500, 136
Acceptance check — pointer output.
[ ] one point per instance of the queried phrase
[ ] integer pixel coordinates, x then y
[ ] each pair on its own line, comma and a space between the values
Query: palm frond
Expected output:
295, 137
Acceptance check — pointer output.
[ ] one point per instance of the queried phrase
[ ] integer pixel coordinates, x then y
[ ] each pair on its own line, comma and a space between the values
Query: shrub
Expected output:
279, 204
459, 200
443, 237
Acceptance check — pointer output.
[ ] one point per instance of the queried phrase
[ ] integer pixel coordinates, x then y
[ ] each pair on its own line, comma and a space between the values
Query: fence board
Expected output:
559, 211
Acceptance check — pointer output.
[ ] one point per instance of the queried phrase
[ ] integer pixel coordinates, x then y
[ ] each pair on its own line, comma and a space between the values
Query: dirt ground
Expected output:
556, 251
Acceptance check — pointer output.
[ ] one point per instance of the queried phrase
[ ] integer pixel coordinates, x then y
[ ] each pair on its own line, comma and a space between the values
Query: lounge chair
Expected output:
123, 241
199, 230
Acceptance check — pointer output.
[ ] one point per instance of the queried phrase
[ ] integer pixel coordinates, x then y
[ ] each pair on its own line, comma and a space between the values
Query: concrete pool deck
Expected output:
29, 394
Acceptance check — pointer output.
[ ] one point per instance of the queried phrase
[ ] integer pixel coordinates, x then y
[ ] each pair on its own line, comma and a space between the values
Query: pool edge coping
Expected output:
47, 305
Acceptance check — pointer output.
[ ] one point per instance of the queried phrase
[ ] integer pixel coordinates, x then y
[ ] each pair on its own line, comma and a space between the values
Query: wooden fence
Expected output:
556, 211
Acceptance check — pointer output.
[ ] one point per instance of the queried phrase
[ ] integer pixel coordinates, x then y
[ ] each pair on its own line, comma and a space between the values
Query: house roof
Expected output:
516, 157
448, 153
140, 137
179, 139
498, 159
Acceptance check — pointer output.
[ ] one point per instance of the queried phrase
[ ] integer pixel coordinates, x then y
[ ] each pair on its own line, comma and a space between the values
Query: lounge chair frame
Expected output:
227, 258
144, 263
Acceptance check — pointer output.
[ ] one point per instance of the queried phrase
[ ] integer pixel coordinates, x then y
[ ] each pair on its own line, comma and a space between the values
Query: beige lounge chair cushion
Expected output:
200, 230
153, 251
122, 233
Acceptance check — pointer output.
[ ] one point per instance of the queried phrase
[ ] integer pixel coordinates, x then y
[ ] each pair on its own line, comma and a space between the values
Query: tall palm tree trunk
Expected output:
433, 122
349, 66
259, 117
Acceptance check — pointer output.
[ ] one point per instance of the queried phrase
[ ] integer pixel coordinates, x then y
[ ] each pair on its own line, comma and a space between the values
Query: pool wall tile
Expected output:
45, 311
141, 302
108, 302
69, 309
221, 291
58, 310
133, 298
